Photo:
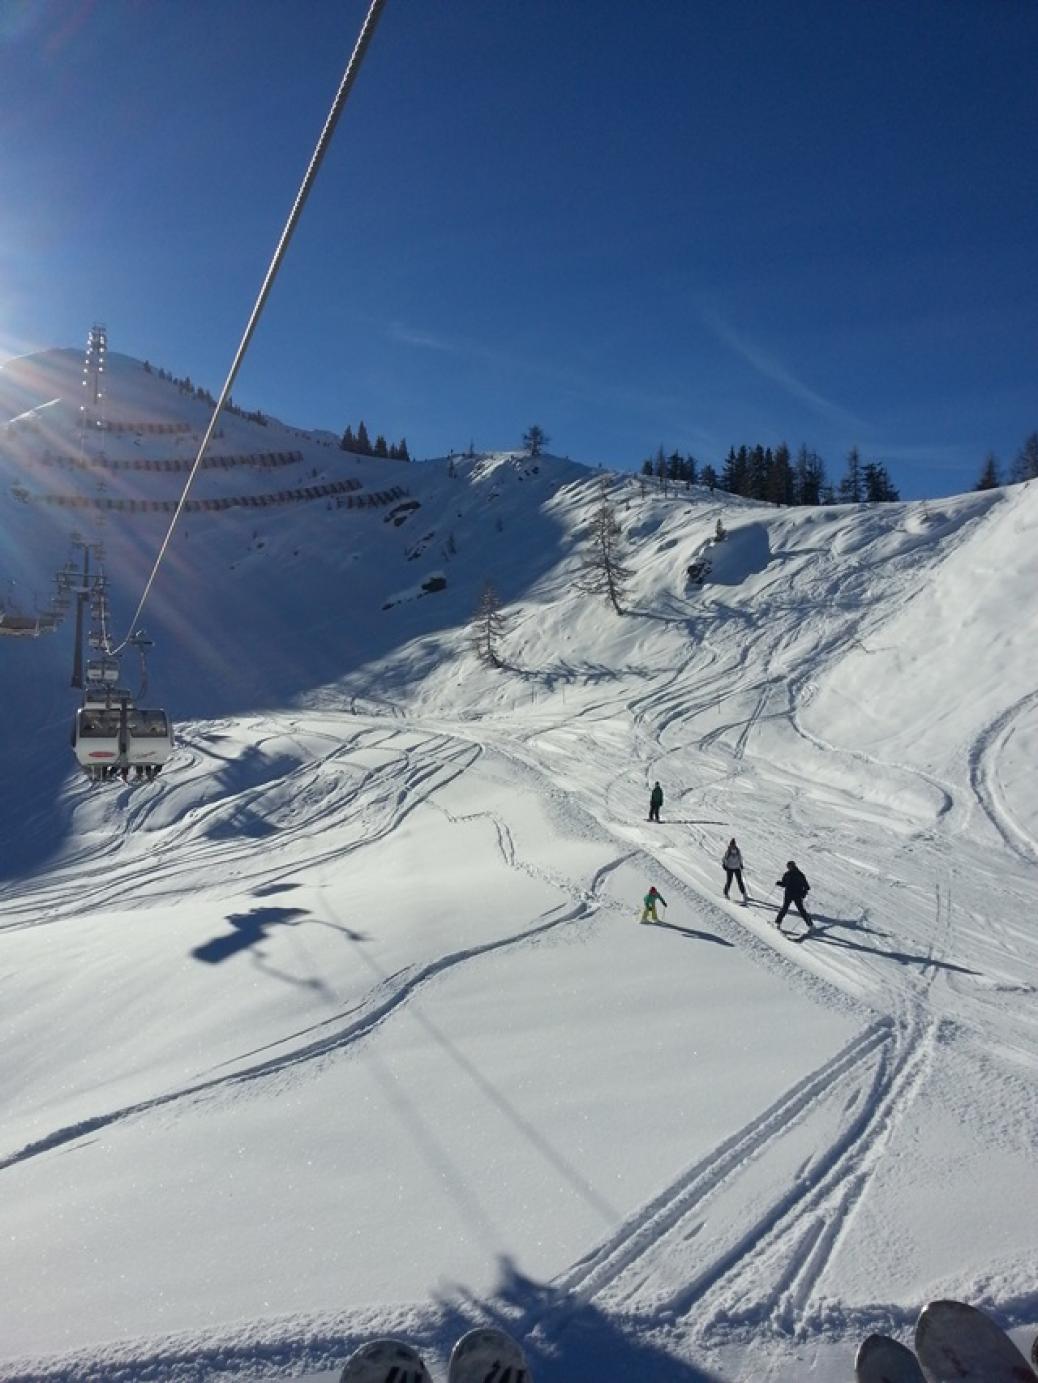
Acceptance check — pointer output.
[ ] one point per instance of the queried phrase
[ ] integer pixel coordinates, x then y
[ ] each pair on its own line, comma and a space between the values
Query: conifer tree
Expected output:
602, 571
809, 478
401, 451
488, 627
659, 467
989, 475
878, 486
781, 481
381, 448
1025, 464
363, 440
535, 439
851, 486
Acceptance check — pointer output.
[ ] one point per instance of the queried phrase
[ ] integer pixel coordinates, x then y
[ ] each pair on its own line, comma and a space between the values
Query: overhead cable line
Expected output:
345, 86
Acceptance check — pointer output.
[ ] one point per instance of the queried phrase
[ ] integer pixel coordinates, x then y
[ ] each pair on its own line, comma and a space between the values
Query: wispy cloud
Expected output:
578, 384
773, 369
425, 340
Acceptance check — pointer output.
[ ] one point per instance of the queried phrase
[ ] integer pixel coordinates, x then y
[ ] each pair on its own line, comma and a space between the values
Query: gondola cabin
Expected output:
102, 670
111, 736
149, 737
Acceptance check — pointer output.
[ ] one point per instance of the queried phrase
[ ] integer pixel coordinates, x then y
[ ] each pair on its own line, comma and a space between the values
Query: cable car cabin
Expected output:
96, 736
105, 670
113, 740
22, 626
149, 738
107, 697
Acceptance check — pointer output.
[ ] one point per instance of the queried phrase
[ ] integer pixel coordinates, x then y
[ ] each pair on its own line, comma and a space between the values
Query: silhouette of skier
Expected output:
796, 889
655, 803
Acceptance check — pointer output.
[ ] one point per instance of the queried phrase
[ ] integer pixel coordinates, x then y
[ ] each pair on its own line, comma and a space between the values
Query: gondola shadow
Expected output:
249, 929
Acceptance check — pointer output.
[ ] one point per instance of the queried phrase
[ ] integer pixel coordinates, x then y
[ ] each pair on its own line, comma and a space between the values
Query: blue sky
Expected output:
693, 222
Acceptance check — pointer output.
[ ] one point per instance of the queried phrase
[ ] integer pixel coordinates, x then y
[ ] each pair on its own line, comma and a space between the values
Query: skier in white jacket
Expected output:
732, 863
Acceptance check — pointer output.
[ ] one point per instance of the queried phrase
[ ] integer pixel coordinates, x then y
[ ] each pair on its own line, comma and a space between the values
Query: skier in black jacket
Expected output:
796, 890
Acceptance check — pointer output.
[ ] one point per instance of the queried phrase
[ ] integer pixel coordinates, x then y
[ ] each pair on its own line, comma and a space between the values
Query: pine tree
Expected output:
381, 447
989, 475
602, 572
363, 442
760, 462
851, 487
733, 472
809, 479
535, 439
708, 477
659, 468
402, 453
647, 466
878, 486
1025, 464
488, 627
781, 481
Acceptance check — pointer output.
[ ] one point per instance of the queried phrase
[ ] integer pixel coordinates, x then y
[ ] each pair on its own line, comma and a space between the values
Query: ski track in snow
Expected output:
983, 762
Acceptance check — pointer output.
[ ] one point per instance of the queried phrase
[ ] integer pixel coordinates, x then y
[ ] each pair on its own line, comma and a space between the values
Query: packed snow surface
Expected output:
346, 1025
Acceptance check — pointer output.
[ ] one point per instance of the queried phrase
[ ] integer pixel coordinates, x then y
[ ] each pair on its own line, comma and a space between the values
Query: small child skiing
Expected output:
650, 900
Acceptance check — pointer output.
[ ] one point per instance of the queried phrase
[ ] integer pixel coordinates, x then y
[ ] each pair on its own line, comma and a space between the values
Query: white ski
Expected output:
385, 1361
487, 1355
958, 1344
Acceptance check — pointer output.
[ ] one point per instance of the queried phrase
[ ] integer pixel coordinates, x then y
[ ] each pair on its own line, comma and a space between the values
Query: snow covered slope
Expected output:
346, 1026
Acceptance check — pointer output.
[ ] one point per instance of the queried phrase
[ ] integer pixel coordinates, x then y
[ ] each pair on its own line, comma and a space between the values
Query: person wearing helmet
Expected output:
796, 889
650, 900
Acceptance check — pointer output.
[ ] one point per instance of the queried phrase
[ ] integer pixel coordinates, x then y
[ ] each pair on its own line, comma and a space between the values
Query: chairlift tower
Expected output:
91, 409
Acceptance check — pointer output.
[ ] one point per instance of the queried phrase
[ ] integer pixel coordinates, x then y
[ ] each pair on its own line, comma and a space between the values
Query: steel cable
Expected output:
345, 86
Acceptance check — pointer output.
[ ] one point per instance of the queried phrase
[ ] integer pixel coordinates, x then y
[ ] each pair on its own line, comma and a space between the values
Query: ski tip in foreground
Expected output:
883, 1360
955, 1341
385, 1361
487, 1355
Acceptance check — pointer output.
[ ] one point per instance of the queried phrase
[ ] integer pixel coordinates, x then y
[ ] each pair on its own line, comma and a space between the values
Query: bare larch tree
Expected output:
602, 572
488, 627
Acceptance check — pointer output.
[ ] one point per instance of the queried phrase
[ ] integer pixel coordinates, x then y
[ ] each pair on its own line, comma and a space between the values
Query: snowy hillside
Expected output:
346, 1026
